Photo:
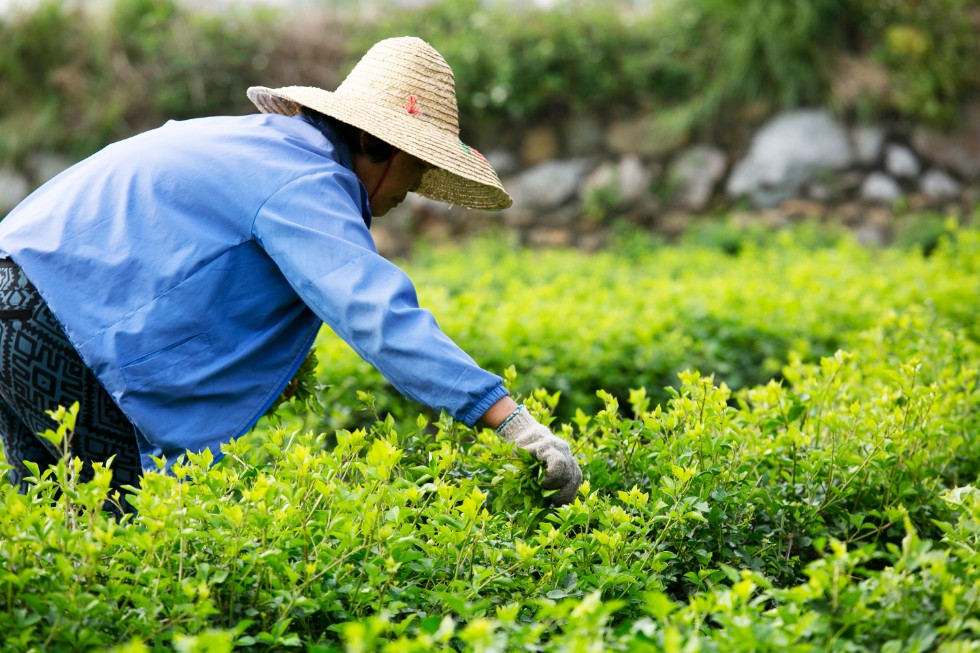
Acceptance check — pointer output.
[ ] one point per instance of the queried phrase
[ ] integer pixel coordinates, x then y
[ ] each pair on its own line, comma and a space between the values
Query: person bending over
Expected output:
173, 282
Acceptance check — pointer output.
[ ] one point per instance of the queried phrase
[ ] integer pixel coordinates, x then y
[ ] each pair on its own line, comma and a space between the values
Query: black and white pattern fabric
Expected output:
39, 371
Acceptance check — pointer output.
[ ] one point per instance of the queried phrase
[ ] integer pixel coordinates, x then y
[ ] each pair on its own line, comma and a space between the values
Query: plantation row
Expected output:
638, 314
833, 509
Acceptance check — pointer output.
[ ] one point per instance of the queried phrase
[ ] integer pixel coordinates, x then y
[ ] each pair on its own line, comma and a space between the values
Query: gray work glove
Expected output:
561, 470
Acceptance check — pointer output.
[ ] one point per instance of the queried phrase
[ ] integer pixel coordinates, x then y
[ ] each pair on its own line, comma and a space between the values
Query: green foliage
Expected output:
197, 63
583, 57
929, 48
755, 57
37, 45
703, 63
753, 54
836, 509
924, 232
73, 80
731, 302
602, 203
300, 394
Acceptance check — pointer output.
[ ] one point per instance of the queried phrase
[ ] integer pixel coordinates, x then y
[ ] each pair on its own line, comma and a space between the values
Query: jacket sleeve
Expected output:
314, 231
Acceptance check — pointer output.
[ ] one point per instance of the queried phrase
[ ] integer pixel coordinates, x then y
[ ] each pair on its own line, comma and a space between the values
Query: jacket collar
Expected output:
342, 155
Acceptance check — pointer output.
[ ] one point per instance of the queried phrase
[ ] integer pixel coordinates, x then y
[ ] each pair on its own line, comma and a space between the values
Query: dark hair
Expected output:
376, 149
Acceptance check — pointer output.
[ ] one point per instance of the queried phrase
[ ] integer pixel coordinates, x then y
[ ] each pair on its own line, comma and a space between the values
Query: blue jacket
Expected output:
192, 266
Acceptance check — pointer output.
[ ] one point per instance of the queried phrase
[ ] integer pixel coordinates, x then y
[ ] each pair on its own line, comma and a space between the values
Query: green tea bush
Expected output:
634, 317
837, 510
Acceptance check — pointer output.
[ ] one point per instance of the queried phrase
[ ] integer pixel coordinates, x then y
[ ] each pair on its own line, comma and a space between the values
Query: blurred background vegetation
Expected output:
74, 77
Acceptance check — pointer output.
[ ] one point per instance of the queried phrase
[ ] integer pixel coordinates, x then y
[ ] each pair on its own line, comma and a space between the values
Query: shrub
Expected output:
753, 54
527, 63
831, 510
734, 307
929, 49
75, 80
37, 45
705, 65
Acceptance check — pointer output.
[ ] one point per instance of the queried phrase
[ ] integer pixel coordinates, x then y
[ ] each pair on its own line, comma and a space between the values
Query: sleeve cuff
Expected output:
489, 399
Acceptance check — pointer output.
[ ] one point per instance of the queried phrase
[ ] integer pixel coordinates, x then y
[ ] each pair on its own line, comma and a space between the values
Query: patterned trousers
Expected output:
39, 371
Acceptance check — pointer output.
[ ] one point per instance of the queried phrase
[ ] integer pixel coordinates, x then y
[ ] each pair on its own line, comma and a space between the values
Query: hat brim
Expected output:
461, 175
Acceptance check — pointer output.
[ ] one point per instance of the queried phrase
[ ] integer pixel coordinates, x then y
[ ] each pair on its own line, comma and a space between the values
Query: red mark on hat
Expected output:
411, 106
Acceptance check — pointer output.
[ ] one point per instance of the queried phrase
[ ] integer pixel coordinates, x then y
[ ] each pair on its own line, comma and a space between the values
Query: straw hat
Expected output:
403, 92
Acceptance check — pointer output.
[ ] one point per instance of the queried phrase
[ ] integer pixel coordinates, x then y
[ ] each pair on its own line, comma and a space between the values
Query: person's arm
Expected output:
314, 230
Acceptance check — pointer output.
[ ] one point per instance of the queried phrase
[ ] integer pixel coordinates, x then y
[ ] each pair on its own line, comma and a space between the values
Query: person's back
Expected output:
182, 302
144, 209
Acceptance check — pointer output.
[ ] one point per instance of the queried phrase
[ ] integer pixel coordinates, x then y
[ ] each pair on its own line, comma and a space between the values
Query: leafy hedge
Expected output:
529, 63
731, 303
703, 64
74, 80
835, 509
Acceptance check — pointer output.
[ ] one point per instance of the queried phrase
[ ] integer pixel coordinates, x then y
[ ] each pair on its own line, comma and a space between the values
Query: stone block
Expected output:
788, 152
880, 188
901, 162
694, 174
540, 144
642, 136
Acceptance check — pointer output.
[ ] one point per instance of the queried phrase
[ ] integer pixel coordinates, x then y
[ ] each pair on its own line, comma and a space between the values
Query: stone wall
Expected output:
572, 181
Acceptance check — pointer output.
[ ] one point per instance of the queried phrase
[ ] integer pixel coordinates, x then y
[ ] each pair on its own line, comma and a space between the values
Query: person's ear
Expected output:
363, 141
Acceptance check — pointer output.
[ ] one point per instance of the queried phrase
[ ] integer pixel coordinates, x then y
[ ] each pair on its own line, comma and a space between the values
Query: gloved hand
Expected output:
561, 470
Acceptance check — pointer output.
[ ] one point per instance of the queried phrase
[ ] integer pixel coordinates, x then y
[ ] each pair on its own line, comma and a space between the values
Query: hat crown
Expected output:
406, 75
403, 92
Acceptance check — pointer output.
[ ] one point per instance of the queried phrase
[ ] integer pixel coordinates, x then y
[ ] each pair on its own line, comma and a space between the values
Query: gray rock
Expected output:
550, 237
643, 137
694, 175
519, 218
949, 150
634, 178
583, 136
503, 161
937, 185
13, 188
871, 235
789, 151
880, 188
901, 162
820, 192
540, 144
547, 185
847, 183
876, 226
959, 150
591, 241
605, 176
629, 179
867, 141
